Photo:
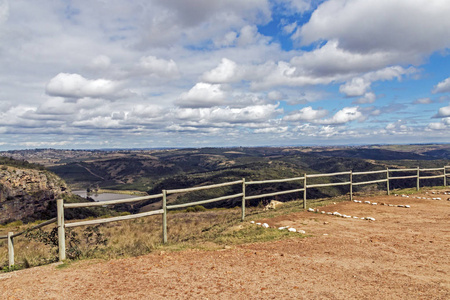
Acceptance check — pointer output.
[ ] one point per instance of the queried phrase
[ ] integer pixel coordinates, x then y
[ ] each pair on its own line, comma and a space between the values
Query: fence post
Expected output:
351, 185
61, 230
243, 200
445, 176
387, 182
164, 220
10, 250
304, 192
418, 178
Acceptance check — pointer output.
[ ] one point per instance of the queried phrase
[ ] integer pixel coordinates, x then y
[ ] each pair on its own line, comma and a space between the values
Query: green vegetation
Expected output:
6, 161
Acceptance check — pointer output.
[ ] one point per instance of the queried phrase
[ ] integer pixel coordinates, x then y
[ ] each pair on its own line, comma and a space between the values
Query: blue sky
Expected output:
171, 73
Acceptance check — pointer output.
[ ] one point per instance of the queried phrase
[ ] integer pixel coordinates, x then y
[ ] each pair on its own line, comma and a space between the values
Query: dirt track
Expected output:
404, 254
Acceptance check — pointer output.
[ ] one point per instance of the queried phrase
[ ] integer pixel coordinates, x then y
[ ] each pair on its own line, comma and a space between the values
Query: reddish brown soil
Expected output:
404, 254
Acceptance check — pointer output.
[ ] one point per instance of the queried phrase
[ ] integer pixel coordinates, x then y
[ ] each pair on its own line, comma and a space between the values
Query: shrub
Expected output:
195, 208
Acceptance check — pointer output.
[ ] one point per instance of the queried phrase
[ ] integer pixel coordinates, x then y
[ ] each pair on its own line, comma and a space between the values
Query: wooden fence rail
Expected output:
10, 236
165, 207
303, 181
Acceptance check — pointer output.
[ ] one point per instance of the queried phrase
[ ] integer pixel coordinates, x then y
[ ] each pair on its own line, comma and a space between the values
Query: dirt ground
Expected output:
403, 254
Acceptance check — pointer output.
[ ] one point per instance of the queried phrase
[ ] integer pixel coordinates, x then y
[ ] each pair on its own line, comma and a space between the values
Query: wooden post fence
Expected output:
61, 230
351, 185
387, 181
243, 200
10, 250
304, 192
11, 235
445, 176
62, 225
418, 179
164, 216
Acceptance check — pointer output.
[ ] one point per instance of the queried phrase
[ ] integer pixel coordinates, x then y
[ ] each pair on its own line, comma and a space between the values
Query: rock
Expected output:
252, 222
27, 194
292, 230
310, 209
301, 231
265, 225
273, 205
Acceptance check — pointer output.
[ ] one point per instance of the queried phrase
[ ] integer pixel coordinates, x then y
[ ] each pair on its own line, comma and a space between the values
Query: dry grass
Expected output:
211, 229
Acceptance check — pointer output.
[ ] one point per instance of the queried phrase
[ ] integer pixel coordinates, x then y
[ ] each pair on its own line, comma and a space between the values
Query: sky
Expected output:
91, 74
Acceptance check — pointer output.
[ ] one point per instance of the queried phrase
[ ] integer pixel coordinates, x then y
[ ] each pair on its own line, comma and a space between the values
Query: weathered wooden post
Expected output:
445, 176
61, 230
387, 182
10, 250
164, 217
351, 185
243, 200
418, 178
304, 192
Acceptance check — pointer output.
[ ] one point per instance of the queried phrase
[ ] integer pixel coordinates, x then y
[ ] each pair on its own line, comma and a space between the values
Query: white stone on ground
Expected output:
292, 230
265, 225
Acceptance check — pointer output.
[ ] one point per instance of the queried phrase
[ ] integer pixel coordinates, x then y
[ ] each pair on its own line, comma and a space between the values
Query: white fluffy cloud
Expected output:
216, 116
159, 67
306, 114
355, 87
398, 127
367, 98
225, 72
358, 86
347, 114
202, 95
443, 112
76, 86
443, 86
381, 26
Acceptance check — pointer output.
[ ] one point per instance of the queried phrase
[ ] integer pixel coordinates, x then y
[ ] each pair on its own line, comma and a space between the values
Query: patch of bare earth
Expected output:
403, 254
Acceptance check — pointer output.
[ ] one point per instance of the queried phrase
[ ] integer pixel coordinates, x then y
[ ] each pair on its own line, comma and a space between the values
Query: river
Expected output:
103, 196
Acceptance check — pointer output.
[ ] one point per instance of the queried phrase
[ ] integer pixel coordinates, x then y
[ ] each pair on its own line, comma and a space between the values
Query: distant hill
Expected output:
154, 170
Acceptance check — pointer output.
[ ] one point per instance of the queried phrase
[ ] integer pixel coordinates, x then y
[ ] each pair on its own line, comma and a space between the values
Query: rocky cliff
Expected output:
27, 194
